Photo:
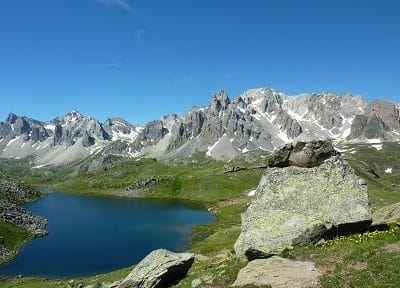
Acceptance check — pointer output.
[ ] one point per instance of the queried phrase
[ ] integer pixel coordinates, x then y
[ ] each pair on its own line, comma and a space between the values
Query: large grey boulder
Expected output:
299, 206
387, 215
161, 268
277, 272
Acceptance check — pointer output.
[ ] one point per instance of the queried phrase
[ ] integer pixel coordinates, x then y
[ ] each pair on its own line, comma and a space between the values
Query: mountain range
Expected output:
258, 119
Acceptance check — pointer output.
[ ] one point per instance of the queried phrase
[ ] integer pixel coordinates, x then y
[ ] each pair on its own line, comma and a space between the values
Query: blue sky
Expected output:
141, 59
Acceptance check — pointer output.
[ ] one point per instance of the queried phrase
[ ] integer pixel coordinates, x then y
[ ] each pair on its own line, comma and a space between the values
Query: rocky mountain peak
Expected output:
220, 101
263, 100
11, 118
72, 116
260, 118
386, 111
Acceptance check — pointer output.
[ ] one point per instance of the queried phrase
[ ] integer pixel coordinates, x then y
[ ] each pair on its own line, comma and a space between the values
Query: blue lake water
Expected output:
93, 235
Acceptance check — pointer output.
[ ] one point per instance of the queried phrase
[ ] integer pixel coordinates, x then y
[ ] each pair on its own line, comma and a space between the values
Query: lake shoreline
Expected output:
185, 204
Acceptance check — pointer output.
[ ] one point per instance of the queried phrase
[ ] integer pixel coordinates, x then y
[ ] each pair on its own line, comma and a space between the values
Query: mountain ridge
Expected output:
260, 118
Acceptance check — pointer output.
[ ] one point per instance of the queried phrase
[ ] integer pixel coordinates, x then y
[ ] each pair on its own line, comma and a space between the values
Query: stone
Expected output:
232, 169
4, 252
302, 154
161, 268
147, 182
196, 283
277, 272
16, 192
387, 215
300, 206
20, 217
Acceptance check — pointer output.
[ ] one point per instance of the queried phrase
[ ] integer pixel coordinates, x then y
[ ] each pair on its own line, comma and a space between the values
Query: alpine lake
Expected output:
90, 235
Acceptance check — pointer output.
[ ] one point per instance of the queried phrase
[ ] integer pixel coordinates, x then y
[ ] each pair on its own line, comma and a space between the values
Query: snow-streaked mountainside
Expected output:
258, 119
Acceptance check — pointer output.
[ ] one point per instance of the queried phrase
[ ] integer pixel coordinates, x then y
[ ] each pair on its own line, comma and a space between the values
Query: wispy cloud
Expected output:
123, 4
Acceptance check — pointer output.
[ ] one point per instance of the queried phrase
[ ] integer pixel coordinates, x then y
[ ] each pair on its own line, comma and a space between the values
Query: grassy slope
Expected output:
12, 237
44, 283
357, 261
386, 189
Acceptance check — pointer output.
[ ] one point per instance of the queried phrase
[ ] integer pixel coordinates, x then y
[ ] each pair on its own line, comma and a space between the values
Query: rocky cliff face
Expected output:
258, 119
380, 121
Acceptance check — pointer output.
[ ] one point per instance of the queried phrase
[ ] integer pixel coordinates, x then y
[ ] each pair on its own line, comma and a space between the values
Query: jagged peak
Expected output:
117, 121
72, 116
220, 101
11, 117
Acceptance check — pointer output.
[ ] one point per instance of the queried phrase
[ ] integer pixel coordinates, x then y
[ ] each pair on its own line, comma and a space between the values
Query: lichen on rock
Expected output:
161, 268
299, 206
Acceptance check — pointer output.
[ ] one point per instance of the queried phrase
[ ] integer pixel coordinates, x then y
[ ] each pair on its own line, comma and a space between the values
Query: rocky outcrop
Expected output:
233, 169
16, 192
299, 206
368, 127
388, 112
277, 272
147, 182
379, 119
387, 215
302, 154
160, 269
18, 216
4, 253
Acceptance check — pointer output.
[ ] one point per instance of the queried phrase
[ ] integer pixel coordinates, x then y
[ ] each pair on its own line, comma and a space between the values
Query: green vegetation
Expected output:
12, 237
384, 190
362, 260
204, 183
46, 283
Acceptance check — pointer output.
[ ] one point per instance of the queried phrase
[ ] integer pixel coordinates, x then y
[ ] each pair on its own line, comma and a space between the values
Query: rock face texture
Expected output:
4, 252
161, 268
380, 118
302, 154
299, 206
17, 215
15, 192
387, 215
277, 272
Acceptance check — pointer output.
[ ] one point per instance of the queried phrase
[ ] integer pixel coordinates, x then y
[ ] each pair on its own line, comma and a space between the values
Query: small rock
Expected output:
207, 279
201, 258
320, 242
196, 283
